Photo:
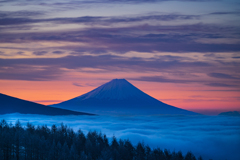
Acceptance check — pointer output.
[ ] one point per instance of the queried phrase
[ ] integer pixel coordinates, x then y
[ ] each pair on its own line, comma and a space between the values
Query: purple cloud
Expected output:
221, 85
222, 75
58, 52
40, 53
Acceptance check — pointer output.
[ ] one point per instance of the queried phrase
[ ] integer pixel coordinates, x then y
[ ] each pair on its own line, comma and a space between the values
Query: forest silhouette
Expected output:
62, 143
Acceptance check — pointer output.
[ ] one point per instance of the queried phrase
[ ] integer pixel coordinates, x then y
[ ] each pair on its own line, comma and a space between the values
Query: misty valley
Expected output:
211, 137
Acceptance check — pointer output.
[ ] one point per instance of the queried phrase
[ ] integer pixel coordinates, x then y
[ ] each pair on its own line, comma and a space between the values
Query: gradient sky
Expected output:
185, 53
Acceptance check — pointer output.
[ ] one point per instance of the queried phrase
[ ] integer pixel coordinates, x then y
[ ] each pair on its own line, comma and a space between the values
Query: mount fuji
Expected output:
119, 97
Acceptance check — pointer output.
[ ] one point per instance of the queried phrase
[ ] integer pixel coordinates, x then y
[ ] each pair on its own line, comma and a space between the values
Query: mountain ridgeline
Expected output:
119, 97
10, 104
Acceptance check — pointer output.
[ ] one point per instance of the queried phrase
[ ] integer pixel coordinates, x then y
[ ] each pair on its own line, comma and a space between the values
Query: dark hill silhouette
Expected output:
119, 97
10, 104
230, 113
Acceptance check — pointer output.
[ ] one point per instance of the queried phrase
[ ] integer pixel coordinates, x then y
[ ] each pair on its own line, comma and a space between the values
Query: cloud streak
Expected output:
222, 75
163, 80
18, 18
44, 68
30, 73
39, 53
221, 85
141, 38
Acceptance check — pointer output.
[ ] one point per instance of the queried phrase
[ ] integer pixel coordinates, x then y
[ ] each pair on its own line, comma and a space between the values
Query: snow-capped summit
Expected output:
119, 97
116, 89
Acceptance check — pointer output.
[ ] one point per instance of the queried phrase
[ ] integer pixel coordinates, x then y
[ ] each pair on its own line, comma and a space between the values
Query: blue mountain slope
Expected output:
10, 104
119, 97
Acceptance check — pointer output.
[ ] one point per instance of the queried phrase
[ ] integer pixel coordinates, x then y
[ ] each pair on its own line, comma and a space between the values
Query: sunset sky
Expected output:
185, 53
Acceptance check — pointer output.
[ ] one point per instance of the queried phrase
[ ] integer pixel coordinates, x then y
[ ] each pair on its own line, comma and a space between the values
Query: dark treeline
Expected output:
62, 143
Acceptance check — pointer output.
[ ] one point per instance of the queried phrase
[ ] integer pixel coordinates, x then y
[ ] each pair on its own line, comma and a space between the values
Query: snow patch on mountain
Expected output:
116, 89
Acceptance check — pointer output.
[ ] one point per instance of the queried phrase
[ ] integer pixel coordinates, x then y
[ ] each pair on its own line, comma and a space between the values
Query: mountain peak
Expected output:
114, 89
118, 82
120, 97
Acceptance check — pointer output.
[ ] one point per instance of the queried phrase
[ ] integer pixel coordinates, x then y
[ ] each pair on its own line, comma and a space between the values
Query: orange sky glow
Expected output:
181, 53
194, 98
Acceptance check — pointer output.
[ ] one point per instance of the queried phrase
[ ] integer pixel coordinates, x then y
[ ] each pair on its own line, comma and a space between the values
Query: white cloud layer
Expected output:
215, 137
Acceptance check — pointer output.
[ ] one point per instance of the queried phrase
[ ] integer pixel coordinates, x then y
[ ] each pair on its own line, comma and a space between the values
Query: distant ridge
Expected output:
10, 104
230, 113
119, 97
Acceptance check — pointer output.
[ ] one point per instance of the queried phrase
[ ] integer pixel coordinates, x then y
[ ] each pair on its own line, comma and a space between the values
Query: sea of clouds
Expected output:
212, 137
